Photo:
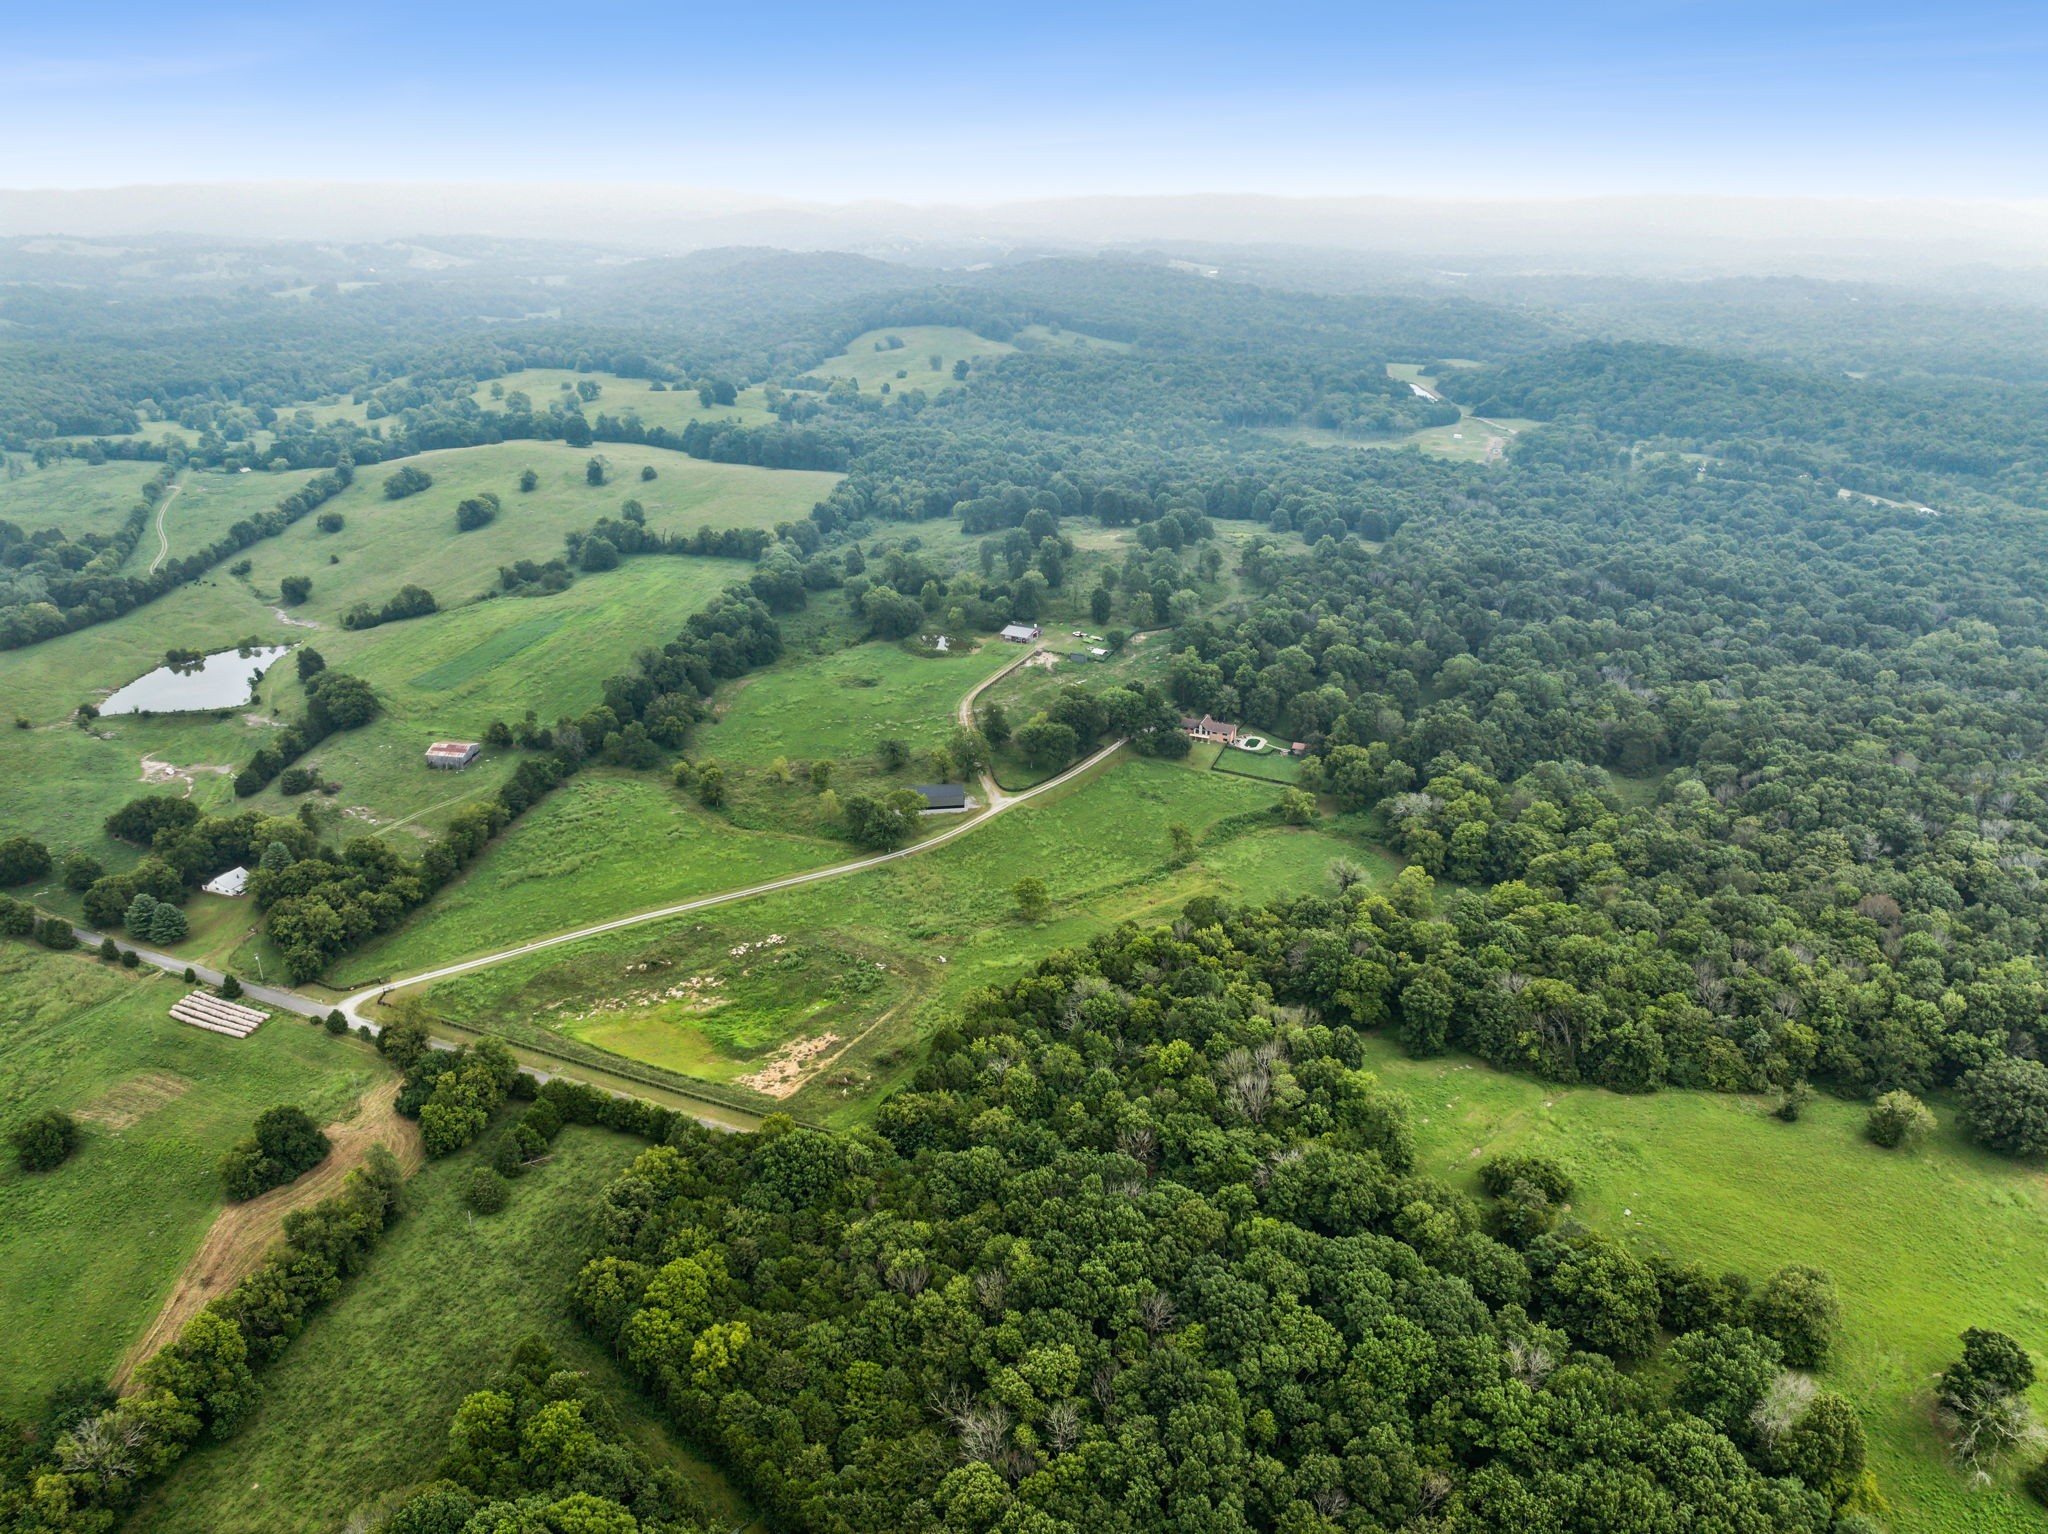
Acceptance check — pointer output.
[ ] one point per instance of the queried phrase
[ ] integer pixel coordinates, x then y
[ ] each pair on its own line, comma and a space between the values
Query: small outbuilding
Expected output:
452, 755
942, 796
234, 882
1021, 633
1299, 748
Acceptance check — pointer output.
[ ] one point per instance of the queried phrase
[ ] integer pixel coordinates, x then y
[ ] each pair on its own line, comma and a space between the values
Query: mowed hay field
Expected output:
358, 1407
1922, 1244
71, 495
923, 929
88, 1252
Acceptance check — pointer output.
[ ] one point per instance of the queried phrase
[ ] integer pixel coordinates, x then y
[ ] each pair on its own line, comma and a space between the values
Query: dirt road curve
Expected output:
242, 1233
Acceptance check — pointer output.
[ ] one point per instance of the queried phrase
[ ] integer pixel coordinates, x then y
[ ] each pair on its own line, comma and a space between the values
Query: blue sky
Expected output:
977, 103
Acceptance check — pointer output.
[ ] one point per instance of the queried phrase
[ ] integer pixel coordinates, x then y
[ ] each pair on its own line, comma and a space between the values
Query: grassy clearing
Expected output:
358, 1408
388, 544
450, 675
88, 1252
70, 494
843, 706
938, 924
619, 397
871, 368
1922, 1244
207, 504
603, 845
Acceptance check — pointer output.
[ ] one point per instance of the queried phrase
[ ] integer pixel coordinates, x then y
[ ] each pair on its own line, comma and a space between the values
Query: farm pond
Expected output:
224, 679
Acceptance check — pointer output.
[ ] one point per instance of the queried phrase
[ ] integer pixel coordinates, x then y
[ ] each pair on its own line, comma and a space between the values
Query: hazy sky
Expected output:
975, 103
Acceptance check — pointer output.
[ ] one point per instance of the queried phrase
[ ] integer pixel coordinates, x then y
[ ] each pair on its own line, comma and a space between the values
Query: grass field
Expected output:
358, 1408
937, 924
88, 1252
1267, 766
1922, 1244
387, 544
448, 674
604, 844
674, 408
72, 495
871, 368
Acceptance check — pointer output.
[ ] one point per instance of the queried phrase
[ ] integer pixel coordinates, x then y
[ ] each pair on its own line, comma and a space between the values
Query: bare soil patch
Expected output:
243, 1233
788, 1067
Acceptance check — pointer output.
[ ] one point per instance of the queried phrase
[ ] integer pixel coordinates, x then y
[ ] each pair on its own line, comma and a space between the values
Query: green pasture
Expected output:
357, 1410
605, 844
1922, 1243
842, 706
450, 675
388, 544
88, 1252
208, 502
70, 494
674, 407
871, 368
939, 923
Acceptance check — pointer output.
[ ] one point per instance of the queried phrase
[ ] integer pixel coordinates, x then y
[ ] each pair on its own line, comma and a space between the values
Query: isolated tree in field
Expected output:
230, 988
960, 368
167, 925
310, 662
594, 472
294, 589
476, 511
893, 754
1982, 1397
528, 480
1100, 604
109, 949
406, 481
22, 858
821, 774
1296, 807
486, 1191
331, 522
882, 822
1182, 841
647, 472
1032, 899
43, 1142
80, 870
711, 785
2005, 1105
1898, 1119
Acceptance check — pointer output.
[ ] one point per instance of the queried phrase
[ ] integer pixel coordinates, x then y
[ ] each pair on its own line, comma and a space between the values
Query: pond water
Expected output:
224, 679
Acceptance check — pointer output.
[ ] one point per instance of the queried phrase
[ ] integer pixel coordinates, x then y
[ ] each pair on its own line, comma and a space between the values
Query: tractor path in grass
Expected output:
243, 1233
